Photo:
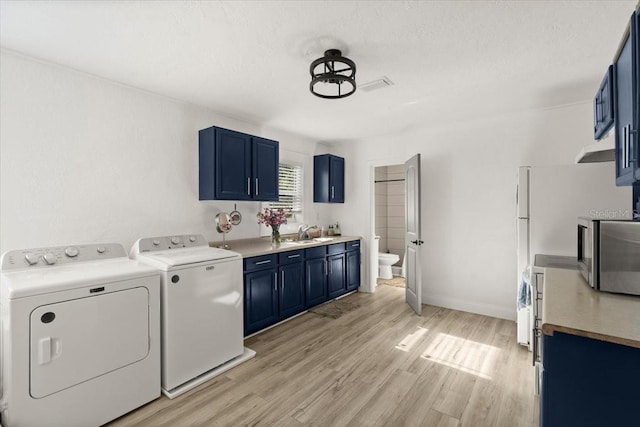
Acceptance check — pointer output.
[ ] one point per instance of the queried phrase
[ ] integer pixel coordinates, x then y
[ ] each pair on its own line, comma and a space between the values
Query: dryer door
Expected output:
75, 341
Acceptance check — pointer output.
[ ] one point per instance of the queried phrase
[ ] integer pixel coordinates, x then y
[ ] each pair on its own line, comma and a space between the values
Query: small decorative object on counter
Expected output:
336, 230
331, 231
273, 218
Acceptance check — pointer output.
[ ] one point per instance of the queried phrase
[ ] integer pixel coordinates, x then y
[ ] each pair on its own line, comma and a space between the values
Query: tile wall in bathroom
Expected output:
390, 210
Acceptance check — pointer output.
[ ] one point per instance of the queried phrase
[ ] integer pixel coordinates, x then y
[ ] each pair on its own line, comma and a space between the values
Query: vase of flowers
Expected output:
273, 218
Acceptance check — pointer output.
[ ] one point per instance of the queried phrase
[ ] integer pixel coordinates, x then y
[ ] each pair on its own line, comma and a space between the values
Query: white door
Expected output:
76, 341
412, 240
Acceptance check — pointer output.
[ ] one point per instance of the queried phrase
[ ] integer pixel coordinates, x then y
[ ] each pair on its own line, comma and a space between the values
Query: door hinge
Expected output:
417, 242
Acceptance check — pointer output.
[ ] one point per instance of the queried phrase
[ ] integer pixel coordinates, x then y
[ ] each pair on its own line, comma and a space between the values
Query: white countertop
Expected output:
262, 245
570, 305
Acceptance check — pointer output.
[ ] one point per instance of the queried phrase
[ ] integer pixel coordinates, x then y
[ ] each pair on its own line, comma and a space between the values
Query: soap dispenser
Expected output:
336, 229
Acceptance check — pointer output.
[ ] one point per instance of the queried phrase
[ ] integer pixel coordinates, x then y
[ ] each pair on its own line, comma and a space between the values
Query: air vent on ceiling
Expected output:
376, 84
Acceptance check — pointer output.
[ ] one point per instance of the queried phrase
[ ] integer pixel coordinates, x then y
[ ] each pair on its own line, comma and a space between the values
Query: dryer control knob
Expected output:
192, 239
156, 242
100, 249
175, 240
71, 251
49, 258
31, 259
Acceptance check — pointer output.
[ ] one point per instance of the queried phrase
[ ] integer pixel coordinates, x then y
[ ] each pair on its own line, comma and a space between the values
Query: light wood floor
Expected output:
379, 365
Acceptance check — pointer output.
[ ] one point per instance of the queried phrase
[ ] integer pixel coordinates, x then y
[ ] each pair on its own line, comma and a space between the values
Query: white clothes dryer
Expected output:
202, 309
80, 335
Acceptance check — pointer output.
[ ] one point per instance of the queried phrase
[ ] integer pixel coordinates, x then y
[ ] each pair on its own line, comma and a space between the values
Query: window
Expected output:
290, 183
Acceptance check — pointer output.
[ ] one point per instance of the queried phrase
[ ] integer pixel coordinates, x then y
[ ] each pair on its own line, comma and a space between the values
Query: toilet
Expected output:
385, 261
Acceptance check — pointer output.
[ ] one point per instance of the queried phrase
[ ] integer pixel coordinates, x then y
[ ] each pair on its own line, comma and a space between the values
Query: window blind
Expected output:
290, 183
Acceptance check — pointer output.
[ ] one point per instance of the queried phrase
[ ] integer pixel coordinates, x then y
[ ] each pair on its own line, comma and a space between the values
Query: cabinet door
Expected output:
265, 169
603, 108
336, 277
321, 190
353, 270
316, 281
232, 165
336, 174
626, 109
291, 289
260, 300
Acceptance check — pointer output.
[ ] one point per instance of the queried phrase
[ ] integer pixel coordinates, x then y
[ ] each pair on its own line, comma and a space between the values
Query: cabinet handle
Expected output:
293, 256
263, 262
257, 192
326, 269
249, 186
283, 280
333, 192
632, 158
625, 148
275, 281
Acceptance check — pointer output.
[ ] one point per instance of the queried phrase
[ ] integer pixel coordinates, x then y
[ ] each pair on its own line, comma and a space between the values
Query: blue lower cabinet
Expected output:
260, 300
353, 270
291, 289
336, 283
588, 382
316, 281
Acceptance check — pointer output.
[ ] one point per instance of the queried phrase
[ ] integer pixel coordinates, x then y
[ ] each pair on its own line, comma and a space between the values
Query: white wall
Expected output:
468, 197
83, 160
86, 160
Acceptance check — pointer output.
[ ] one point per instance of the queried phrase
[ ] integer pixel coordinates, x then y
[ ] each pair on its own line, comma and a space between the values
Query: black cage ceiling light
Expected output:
333, 76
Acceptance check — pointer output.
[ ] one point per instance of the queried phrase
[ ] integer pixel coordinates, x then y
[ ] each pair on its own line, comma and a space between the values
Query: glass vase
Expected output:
275, 235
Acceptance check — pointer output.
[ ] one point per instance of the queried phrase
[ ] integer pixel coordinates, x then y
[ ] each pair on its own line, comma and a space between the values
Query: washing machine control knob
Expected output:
100, 249
71, 251
192, 239
175, 240
156, 242
49, 258
31, 259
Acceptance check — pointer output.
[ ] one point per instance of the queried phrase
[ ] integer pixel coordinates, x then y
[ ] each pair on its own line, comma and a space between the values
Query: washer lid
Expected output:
186, 256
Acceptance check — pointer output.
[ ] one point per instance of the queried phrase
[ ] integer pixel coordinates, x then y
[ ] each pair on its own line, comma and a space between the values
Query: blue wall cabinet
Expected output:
316, 280
260, 300
237, 166
588, 382
603, 108
328, 179
336, 275
626, 98
265, 169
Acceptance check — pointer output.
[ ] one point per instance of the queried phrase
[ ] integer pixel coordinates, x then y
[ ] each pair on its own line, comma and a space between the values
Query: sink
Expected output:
323, 239
298, 242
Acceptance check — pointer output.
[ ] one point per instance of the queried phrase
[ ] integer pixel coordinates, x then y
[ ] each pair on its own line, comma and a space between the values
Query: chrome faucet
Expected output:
302, 232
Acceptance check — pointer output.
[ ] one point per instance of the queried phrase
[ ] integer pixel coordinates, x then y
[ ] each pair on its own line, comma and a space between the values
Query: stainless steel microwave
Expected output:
609, 254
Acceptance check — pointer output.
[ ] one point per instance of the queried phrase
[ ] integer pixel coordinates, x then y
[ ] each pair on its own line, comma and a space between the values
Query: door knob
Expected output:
417, 242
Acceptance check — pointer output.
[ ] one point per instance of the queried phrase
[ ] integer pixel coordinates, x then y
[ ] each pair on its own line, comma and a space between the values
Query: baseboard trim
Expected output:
484, 309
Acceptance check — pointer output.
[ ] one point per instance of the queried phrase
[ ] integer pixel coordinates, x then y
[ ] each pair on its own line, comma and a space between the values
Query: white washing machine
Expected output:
80, 335
202, 309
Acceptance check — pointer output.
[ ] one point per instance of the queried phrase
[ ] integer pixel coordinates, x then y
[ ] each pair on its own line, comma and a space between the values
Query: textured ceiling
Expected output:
449, 60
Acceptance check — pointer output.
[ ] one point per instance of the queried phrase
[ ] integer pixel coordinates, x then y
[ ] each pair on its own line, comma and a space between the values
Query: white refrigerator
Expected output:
549, 199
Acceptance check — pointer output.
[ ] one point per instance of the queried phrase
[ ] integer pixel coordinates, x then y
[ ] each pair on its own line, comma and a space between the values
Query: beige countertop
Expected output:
570, 305
262, 245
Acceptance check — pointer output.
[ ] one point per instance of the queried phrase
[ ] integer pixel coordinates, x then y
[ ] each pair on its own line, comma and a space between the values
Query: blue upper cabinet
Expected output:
627, 106
328, 179
265, 169
603, 108
237, 166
